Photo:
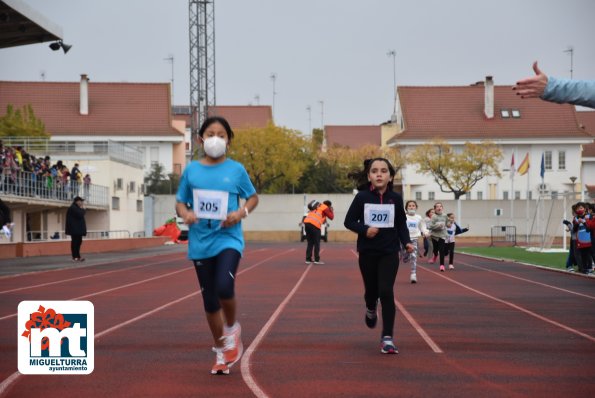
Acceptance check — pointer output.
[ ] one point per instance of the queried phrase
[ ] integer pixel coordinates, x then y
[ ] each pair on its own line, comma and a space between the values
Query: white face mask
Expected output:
215, 147
411, 212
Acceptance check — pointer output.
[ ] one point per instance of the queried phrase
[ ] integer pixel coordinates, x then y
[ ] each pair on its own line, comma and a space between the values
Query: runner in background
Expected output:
378, 217
417, 228
428, 248
213, 187
452, 229
437, 227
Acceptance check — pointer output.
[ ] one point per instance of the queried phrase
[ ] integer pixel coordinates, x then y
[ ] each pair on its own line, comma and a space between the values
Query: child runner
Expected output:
428, 249
452, 229
417, 228
378, 217
437, 227
583, 225
213, 187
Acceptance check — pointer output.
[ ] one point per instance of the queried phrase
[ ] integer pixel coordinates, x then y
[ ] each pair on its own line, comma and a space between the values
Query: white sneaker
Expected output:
413, 277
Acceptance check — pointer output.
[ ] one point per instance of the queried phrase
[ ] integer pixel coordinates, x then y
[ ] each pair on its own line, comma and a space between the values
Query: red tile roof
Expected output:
352, 136
458, 113
587, 119
120, 109
238, 116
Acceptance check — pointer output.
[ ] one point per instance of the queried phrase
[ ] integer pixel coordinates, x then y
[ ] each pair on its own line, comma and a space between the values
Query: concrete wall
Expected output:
277, 216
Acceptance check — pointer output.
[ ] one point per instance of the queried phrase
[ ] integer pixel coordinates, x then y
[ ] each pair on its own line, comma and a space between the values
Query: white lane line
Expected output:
419, 329
89, 265
245, 363
516, 307
82, 277
7, 383
527, 280
113, 288
424, 335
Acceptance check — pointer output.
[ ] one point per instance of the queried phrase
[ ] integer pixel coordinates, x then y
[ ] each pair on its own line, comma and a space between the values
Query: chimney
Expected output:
488, 106
84, 97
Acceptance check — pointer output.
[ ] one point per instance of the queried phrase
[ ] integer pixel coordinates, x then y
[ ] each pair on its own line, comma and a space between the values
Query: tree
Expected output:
274, 157
457, 172
21, 123
158, 184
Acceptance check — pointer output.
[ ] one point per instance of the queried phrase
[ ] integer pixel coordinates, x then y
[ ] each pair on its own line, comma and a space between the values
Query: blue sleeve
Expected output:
576, 92
184, 194
245, 188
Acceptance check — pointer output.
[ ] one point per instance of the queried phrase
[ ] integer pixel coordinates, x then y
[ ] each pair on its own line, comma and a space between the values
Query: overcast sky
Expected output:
321, 50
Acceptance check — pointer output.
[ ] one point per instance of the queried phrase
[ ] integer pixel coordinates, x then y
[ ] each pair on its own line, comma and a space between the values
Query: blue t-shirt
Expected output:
206, 238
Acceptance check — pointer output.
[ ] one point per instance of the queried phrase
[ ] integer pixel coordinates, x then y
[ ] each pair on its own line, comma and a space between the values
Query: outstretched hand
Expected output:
534, 86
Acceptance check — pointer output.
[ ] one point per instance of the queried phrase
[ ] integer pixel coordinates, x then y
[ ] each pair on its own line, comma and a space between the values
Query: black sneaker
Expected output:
371, 318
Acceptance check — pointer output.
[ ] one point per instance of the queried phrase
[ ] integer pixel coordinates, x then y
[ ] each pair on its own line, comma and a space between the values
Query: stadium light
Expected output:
55, 46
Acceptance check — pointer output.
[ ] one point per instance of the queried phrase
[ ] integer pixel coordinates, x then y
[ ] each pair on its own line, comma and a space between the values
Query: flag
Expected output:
542, 172
512, 167
524, 166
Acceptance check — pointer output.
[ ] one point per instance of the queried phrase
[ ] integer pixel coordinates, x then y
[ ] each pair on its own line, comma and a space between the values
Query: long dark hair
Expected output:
221, 121
361, 176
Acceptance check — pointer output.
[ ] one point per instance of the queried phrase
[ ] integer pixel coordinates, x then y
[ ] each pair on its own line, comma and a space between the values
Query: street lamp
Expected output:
573, 180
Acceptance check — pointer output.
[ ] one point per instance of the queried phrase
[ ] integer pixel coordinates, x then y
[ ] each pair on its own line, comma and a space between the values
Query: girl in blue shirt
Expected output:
208, 200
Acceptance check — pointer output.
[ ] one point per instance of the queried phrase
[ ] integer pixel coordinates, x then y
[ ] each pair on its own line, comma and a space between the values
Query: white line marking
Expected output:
424, 335
245, 363
88, 265
419, 329
516, 307
527, 280
82, 277
6, 383
113, 288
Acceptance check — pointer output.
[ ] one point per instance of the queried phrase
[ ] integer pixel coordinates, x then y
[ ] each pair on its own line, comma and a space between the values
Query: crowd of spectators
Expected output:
24, 174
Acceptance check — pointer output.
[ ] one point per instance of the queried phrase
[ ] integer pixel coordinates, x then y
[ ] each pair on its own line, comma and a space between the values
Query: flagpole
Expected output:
527, 209
512, 171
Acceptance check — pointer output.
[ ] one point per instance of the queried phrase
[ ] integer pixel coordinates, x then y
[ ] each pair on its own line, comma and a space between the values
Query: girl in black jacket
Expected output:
377, 215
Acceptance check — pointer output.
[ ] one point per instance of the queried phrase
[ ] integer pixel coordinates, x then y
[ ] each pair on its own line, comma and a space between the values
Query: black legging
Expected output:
216, 276
439, 248
449, 248
75, 245
313, 237
379, 273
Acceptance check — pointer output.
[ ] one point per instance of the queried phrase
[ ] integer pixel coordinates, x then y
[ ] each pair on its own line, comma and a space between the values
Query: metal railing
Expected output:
39, 236
30, 185
503, 235
42, 147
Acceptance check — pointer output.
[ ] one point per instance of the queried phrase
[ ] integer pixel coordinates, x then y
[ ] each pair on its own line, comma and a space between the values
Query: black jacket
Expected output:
388, 240
75, 221
4, 214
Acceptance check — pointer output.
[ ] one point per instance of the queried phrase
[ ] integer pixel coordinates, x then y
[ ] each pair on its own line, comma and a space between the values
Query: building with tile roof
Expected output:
115, 131
483, 111
586, 120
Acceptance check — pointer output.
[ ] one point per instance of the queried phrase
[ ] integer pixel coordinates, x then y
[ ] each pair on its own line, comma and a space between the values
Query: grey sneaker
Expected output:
318, 262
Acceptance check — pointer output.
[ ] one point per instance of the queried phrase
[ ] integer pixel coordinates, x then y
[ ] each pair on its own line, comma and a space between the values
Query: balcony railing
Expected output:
114, 150
29, 185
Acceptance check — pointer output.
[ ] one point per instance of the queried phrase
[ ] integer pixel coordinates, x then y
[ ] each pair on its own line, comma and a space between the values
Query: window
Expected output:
548, 160
154, 155
431, 196
516, 113
479, 195
115, 203
554, 194
131, 186
561, 160
517, 195
119, 184
505, 113
418, 195
139, 205
505, 195
530, 195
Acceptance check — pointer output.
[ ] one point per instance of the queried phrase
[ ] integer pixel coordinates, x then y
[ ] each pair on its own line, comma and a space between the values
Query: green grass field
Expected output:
553, 260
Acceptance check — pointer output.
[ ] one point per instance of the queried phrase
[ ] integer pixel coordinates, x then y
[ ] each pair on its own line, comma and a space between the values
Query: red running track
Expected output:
486, 329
